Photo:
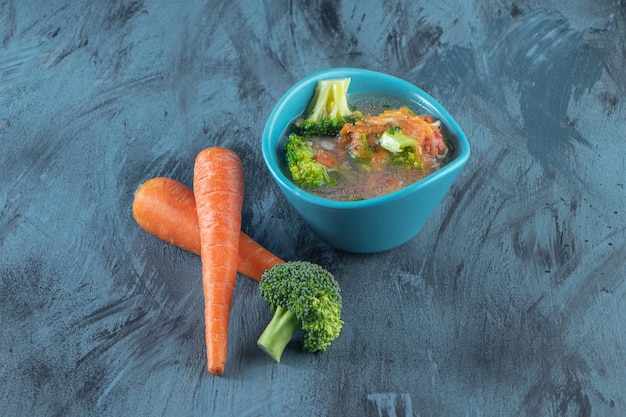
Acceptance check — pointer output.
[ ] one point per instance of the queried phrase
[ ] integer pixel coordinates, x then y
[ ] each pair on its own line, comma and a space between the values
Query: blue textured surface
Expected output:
511, 301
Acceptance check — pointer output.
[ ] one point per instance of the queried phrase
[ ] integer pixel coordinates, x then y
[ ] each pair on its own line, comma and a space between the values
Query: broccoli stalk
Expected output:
279, 332
328, 110
303, 296
402, 148
304, 169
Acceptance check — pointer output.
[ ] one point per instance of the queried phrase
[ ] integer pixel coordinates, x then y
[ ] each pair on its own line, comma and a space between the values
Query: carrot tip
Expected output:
216, 370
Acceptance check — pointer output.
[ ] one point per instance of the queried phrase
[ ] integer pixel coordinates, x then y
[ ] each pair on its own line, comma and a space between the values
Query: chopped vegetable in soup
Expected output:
370, 156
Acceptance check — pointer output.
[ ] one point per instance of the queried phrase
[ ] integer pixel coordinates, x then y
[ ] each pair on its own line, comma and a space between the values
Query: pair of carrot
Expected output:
207, 222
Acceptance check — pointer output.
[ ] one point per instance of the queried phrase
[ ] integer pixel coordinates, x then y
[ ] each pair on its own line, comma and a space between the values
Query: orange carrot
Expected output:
166, 209
218, 187
253, 258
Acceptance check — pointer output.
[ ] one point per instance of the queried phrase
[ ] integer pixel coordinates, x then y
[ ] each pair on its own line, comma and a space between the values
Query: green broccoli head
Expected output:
305, 170
403, 149
408, 158
328, 110
302, 295
321, 127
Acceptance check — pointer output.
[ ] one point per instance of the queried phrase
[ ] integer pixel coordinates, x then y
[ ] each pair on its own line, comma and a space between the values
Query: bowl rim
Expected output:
269, 152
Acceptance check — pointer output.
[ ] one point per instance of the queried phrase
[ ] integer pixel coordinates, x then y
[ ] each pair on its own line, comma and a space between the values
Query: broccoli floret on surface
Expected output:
403, 149
328, 110
305, 296
304, 169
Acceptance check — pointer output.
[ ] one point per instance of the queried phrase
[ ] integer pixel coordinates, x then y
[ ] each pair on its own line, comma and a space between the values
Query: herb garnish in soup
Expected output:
375, 148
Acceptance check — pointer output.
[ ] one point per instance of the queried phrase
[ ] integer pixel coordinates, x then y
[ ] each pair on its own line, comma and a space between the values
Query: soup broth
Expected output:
359, 164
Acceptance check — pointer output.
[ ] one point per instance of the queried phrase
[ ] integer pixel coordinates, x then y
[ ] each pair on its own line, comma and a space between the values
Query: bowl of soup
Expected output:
361, 221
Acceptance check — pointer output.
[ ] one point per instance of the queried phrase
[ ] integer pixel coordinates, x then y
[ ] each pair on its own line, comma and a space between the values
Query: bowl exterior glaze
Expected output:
377, 224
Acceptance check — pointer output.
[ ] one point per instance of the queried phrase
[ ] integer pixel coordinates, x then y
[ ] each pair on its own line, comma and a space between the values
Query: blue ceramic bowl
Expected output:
380, 223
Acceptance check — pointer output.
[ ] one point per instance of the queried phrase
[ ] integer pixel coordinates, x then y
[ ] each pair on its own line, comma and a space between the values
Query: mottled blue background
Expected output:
511, 301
